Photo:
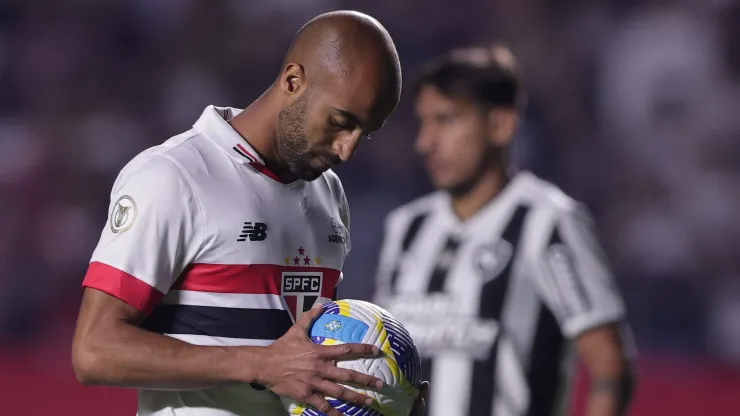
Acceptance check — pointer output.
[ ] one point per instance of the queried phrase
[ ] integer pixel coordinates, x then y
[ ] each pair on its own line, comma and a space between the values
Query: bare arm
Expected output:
609, 368
109, 348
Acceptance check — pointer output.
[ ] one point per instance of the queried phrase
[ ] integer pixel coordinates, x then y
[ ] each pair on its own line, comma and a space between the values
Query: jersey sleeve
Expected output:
340, 198
153, 231
574, 278
345, 218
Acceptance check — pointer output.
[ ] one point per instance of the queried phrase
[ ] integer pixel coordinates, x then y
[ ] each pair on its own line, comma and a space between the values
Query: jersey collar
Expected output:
500, 203
214, 123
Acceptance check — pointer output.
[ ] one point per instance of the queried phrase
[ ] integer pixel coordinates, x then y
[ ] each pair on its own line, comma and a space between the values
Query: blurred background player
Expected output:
191, 293
495, 274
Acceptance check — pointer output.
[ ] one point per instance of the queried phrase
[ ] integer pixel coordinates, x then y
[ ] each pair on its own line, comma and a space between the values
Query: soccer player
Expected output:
220, 240
493, 274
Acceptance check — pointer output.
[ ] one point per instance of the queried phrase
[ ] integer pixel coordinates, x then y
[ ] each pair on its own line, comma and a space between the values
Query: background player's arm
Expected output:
602, 351
575, 280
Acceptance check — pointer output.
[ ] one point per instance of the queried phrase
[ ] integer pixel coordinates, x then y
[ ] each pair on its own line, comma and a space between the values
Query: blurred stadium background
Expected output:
633, 110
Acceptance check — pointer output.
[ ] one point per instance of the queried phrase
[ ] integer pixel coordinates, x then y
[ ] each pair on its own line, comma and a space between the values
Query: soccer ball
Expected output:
354, 321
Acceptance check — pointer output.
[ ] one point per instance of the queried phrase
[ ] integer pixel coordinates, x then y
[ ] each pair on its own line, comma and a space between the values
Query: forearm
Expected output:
610, 393
604, 350
129, 356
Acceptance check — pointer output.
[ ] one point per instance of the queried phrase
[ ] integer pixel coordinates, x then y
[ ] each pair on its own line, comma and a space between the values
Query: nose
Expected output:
346, 145
425, 139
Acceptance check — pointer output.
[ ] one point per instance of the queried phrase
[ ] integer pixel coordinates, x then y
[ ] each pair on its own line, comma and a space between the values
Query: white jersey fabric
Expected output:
217, 251
492, 301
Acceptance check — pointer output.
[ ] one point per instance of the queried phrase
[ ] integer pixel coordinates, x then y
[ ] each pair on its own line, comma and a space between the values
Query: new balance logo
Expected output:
254, 231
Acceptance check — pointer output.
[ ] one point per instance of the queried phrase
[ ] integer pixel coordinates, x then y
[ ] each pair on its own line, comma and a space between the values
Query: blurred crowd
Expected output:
632, 110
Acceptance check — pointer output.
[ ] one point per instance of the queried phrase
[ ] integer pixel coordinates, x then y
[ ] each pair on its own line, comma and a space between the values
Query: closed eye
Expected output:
344, 125
444, 118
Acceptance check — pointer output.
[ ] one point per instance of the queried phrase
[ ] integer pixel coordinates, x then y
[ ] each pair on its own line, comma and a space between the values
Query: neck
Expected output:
487, 187
258, 126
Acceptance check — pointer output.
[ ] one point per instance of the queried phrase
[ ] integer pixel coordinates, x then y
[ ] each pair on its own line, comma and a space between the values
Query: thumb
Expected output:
307, 318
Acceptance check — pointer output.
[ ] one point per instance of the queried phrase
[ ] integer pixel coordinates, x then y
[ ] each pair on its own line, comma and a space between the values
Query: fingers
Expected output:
424, 390
420, 403
307, 318
319, 403
349, 351
347, 376
342, 393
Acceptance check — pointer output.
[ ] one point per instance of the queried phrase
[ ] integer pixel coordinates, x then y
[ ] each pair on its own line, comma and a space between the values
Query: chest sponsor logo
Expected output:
339, 234
441, 324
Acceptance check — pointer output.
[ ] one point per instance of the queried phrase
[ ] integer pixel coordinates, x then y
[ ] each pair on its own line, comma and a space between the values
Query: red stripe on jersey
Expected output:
123, 286
292, 302
263, 170
257, 165
259, 279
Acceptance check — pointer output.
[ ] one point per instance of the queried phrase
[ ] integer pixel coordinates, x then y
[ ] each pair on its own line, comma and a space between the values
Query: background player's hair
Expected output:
487, 76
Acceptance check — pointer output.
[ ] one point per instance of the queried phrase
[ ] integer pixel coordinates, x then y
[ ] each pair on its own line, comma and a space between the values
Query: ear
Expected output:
293, 79
502, 125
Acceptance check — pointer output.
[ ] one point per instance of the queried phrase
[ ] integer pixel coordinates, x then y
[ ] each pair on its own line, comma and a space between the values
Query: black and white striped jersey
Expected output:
492, 301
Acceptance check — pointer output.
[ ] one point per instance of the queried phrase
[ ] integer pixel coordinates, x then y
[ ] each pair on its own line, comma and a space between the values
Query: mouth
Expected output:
433, 164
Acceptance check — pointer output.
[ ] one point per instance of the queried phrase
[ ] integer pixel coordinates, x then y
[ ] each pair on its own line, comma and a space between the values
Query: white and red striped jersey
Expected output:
217, 251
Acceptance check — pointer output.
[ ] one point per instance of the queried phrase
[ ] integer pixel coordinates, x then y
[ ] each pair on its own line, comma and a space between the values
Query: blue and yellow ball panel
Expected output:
340, 328
330, 308
336, 325
407, 356
345, 408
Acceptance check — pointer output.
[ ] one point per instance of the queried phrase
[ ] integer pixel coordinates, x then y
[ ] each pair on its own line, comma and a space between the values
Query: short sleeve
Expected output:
153, 232
344, 217
574, 278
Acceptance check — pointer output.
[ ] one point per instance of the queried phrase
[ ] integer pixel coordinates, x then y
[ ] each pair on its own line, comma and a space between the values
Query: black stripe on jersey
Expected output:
491, 304
436, 285
219, 322
442, 269
411, 232
236, 149
565, 275
544, 372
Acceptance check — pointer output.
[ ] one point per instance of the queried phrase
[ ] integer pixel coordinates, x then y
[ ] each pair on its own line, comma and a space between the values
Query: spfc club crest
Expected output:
300, 290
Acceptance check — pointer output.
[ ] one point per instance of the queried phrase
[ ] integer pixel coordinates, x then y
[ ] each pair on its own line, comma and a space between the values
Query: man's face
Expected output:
325, 124
453, 138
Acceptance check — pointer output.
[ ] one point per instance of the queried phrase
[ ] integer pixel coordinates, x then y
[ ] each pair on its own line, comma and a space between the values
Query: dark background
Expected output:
633, 110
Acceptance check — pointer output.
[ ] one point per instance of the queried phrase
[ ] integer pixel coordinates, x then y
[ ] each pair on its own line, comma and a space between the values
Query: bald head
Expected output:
343, 44
340, 80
